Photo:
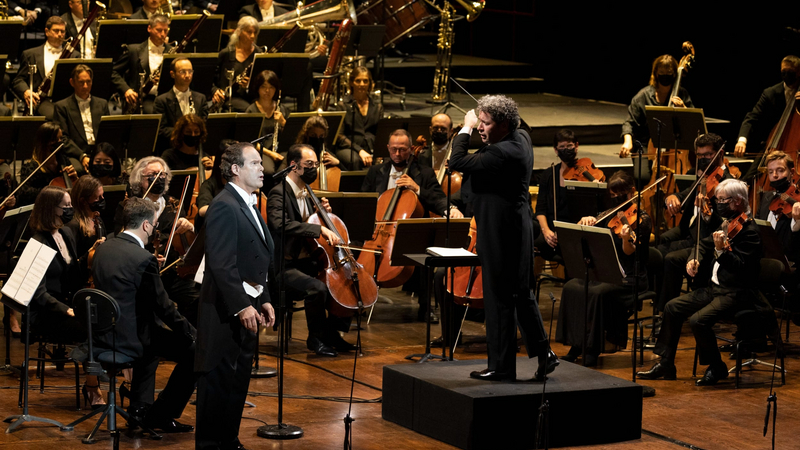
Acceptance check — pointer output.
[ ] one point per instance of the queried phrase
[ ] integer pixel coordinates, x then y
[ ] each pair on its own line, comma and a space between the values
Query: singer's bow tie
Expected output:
253, 200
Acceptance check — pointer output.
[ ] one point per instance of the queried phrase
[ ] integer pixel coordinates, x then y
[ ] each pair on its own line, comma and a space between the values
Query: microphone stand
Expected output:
448, 277
281, 430
543, 422
637, 257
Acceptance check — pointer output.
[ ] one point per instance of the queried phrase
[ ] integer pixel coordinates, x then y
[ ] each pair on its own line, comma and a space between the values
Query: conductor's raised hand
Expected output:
471, 119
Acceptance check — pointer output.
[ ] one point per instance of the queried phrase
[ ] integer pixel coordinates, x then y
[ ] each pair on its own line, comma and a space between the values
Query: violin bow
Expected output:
618, 207
697, 181
175, 222
63, 142
151, 184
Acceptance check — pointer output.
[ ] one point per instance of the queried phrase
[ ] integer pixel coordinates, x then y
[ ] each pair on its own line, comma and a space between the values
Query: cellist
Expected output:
300, 268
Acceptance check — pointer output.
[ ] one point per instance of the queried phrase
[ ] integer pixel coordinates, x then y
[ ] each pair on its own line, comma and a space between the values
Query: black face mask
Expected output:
158, 185
317, 143
191, 141
439, 137
789, 77
98, 205
703, 163
67, 214
568, 155
309, 175
102, 170
666, 80
780, 185
724, 210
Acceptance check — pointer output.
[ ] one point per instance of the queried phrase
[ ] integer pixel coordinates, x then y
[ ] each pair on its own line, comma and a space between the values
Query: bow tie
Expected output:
396, 175
53, 50
302, 194
253, 200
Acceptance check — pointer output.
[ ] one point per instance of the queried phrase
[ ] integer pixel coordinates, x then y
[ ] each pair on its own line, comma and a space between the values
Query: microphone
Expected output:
261, 139
284, 172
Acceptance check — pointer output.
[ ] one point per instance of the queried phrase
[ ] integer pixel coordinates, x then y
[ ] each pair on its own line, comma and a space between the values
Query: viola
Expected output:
627, 217
468, 281
351, 285
783, 203
584, 170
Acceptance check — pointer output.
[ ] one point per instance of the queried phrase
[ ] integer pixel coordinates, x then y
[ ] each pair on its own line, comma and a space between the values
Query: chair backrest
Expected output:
96, 310
769, 273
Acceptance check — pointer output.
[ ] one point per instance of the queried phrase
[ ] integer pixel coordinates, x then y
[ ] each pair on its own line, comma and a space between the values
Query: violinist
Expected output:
187, 137
552, 205
300, 268
767, 112
104, 164
656, 93
732, 254
178, 102
87, 226
48, 138
608, 304
678, 242
784, 215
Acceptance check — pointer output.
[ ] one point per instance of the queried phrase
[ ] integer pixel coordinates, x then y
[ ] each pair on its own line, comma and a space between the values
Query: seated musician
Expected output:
781, 172
138, 59
178, 102
87, 226
79, 115
147, 11
608, 304
188, 135
266, 89
360, 122
300, 268
33, 12
212, 186
74, 21
656, 93
48, 138
734, 264
43, 57
552, 205
262, 10
129, 273
236, 57
678, 242
441, 131
153, 171
51, 307
104, 164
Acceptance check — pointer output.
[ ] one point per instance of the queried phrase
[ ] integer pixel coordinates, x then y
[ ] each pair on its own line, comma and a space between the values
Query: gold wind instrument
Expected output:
444, 53
277, 125
165, 8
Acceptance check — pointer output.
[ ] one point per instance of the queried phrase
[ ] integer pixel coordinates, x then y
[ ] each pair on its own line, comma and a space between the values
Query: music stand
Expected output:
207, 38
269, 35
585, 198
12, 227
11, 28
589, 251
112, 34
132, 135
295, 122
62, 72
239, 126
365, 41
414, 125
204, 66
356, 209
3, 61
19, 132
291, 69
772, 245
352, 180
412, 238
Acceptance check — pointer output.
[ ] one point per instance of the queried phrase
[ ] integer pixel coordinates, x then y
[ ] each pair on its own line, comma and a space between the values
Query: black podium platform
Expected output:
441, 401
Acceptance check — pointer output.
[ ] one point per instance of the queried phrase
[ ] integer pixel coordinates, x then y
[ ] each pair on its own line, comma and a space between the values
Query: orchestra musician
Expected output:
313, 134
51, 311
87, 226
266, 88
237, 56
360, 122
441, 131
262, 10
48, 138
656, 93
235, 299
74, 21
178, 102
129, 273
734, 264
608, 304
301, 269
781, 172
496, 180
43, 57
147, 11
104, 164
33, 12
141, 58
79, 115
212, 186
767, 112
188, 136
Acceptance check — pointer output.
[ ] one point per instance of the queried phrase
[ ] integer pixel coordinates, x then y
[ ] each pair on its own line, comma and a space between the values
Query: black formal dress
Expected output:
127, 272
551, 209
135, 59
169, 107
431, 195
84, 243
358, 132
238, 250
496, 180
68, 117
227, 61
34, 57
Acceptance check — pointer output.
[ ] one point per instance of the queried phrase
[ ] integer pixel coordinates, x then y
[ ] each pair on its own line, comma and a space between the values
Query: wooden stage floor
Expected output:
316, 390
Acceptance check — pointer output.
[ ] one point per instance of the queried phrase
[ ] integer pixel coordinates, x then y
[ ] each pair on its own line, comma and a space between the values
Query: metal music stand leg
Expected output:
427, 356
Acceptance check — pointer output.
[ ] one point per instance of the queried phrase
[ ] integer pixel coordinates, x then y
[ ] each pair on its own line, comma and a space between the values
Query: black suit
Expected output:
68, 117
133, 61
496, 180
254, 11
34, 57
765, 114
431, 195
168, 106
130, 274
783, 228
235, 252
139, 14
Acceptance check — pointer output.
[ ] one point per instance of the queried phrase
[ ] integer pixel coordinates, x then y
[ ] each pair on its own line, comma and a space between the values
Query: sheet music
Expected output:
29, 272
447, 251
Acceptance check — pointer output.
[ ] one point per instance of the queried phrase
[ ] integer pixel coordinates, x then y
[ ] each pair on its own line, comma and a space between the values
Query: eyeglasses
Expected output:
724, 200
186, 72
398, 149
311, 165
705, 156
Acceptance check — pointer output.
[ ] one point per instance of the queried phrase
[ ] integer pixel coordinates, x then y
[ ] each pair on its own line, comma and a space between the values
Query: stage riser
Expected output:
440, 401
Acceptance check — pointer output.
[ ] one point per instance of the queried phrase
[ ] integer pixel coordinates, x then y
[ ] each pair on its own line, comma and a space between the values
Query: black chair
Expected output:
655, 263
56, 356
99, 313
549, 277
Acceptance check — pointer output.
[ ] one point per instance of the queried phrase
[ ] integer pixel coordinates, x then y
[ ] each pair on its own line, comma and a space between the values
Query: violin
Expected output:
782, 204
184, 240
584, 170
351, 286
627, 217
730, 228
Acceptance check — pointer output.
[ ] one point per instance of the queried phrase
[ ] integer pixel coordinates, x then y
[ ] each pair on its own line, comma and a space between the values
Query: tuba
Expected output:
319, 11
473, 8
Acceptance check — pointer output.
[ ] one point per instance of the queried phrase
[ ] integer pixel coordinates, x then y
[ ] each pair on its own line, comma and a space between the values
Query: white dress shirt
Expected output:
87, 43
51, 54
183, 99
300, 195
268, 13
85, 107
155, 57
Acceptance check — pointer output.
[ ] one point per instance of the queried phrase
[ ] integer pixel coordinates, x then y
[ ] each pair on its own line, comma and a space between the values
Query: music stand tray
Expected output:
62, 72
269, 35
238, 126
356, 209
132, 136
585, 198
681, 126
208, 36
597, 243
112, 34
352, 180
295, 122
204, 66
19, 132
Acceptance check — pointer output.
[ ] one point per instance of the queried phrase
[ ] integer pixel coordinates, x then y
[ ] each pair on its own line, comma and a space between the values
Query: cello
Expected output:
351, 285
468, 281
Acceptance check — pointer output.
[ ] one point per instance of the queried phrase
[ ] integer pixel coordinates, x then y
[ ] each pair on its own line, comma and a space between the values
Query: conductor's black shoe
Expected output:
713, 375
491, 375
169, 426
547, 365
659, 370
319, 347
